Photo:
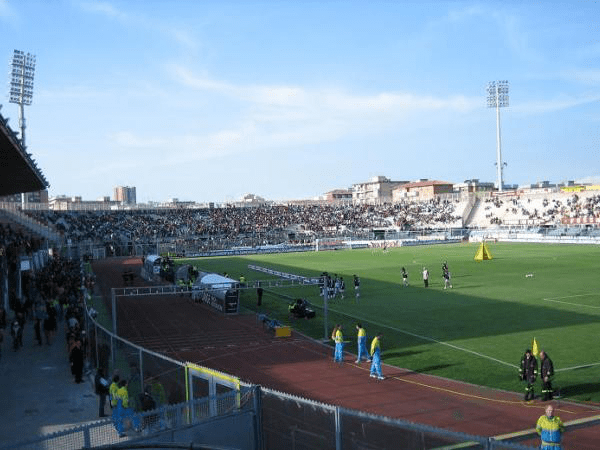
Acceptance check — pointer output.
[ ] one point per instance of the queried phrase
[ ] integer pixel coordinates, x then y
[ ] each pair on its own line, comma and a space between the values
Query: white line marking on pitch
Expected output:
584, 366
572, 304
571, 296
430, 339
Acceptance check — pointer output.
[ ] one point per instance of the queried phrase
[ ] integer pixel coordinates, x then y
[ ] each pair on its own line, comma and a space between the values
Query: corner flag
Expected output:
535, 349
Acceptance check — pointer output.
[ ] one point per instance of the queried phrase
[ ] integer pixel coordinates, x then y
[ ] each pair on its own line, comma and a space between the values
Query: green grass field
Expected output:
475, 332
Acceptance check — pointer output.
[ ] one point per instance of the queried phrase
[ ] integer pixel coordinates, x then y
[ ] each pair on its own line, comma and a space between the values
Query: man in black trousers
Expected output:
547, 372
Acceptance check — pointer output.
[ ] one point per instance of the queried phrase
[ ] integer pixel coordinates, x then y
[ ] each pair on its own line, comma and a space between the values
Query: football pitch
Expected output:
475, 332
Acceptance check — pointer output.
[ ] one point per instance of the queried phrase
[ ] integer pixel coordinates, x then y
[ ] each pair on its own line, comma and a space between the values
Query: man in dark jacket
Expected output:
528, 373
76, 359
101, 384
547, 372
259, 295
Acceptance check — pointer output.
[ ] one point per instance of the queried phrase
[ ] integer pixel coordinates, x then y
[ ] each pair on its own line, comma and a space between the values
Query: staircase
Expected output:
471, 210
14, 216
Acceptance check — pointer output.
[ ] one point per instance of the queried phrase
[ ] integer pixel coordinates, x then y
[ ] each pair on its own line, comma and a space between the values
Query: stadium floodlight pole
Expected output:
22, 69
498, 98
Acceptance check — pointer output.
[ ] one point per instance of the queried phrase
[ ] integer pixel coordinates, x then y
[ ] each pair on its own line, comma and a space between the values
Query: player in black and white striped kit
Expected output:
356, 287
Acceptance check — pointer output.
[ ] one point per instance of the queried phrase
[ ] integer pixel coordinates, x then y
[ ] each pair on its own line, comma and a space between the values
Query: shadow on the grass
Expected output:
398, 354
579, 389
435, 367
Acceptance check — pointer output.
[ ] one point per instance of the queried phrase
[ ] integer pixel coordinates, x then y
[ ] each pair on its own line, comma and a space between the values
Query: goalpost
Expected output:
325, 244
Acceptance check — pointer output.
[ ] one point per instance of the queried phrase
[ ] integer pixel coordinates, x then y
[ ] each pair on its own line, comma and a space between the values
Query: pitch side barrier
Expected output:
286, 281
312, 281
533, 237
252, 251
413, 242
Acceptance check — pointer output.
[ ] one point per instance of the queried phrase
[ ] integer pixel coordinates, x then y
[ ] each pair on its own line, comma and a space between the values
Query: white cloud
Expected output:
5, 10
586, 76
176, 33
181, 36
285, 117
517, 37
128, 139
325, 99
556, 104
588, 50
390, 102
76, 92
185, 77
104, 8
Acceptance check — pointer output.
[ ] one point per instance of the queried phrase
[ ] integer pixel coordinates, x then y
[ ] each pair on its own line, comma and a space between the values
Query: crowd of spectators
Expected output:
232, 222
49, 296
14, 242
547, 210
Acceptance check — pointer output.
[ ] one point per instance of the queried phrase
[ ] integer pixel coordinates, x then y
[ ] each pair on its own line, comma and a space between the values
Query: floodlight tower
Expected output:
22, 68
498, 98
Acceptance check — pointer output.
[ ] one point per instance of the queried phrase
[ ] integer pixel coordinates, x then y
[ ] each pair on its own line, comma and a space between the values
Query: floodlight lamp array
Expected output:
497, 94
22, 71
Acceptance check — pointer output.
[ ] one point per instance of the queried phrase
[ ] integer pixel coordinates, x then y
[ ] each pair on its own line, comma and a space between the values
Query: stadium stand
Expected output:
244, 224
548, 209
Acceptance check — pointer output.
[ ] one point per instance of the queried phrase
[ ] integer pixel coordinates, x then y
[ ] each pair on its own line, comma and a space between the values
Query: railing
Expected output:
16, 215
295, 422
159, 422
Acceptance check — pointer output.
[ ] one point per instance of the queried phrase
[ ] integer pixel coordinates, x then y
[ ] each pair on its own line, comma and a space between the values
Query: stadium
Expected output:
522, 266
420, 314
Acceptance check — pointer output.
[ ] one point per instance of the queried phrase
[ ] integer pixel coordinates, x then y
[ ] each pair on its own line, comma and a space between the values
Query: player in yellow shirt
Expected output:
338, 338
362, 344
376, 355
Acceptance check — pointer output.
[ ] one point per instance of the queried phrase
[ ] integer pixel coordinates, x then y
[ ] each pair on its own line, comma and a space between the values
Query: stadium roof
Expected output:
18, 171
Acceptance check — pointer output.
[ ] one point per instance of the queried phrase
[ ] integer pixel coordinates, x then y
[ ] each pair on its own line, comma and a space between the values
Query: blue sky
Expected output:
208, 101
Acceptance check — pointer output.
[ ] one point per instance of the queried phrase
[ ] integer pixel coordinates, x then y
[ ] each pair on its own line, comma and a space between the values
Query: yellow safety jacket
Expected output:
375, 346
112, 392
123, 395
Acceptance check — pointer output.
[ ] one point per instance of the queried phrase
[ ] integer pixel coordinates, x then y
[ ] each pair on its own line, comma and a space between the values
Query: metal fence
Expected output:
138, 365
163, 424
295, 423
